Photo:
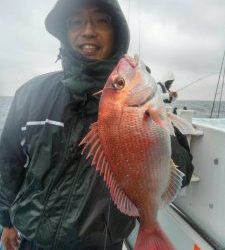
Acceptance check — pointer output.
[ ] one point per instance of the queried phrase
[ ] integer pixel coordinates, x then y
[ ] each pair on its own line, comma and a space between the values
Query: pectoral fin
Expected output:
174, 186
184, 126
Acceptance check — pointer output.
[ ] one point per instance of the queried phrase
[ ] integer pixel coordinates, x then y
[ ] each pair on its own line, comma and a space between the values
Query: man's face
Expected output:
90, 32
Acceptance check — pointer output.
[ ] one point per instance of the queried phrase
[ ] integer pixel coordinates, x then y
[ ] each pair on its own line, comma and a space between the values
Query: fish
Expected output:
131, 149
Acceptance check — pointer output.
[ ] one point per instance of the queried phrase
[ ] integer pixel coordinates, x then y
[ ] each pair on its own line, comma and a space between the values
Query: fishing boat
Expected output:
196, 219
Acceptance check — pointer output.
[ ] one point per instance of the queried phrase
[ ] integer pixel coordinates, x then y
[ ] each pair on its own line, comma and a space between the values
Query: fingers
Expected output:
10, 245
173, 94
10, 239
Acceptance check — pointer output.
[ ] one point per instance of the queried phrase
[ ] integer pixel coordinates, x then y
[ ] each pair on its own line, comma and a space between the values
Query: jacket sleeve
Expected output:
174, 99
12, 160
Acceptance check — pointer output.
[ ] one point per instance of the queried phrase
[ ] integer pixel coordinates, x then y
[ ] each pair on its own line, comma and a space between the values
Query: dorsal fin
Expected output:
174, 186
100, 162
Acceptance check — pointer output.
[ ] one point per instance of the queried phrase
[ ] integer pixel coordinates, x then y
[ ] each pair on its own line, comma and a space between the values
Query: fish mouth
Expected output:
133, 61
146, 89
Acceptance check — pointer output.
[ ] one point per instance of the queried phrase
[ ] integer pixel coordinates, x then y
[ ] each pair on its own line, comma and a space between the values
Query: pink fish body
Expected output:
130, 145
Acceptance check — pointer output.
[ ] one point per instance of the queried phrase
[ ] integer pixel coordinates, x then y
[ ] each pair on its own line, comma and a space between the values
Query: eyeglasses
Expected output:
100, 20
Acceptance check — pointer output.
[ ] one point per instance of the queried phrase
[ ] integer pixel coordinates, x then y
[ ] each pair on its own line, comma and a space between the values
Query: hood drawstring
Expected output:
59, 56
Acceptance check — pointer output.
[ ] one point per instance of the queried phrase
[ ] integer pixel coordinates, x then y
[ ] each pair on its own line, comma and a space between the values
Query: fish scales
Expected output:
135, 151
133, 133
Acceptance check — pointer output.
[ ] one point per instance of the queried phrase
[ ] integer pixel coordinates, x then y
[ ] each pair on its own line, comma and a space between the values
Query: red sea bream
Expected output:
130, 145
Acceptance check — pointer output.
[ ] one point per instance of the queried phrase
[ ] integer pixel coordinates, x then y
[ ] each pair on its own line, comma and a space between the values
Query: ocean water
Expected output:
202, 109
5, 102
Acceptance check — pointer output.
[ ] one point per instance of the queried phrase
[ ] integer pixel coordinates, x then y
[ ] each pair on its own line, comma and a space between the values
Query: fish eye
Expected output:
119, 83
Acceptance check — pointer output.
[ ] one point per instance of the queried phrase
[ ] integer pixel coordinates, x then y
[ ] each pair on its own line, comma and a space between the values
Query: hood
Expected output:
168, 76
56, 21
84, 74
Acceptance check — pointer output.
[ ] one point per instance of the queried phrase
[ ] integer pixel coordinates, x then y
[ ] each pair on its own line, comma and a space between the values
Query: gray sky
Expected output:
184, 37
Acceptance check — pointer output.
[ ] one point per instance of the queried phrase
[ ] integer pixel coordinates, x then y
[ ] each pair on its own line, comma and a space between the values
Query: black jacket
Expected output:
48, 191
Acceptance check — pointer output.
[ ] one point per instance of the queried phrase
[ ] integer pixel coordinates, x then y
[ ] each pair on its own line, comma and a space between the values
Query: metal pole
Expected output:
139, 28
217, 86
128, 13
221, 94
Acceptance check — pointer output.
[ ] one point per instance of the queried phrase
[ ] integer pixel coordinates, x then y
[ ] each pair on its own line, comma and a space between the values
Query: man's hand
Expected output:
173, 94
10, 238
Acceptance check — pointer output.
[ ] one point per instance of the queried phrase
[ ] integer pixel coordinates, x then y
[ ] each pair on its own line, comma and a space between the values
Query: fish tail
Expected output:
152, 239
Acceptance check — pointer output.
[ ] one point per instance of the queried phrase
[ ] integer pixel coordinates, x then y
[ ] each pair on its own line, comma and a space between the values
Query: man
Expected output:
50, 196
165, 85
181, 154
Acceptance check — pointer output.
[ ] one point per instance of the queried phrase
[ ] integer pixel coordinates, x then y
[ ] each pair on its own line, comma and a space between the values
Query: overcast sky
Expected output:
184, 37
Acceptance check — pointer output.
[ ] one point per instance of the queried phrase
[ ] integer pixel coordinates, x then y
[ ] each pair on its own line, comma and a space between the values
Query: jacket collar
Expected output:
85, 76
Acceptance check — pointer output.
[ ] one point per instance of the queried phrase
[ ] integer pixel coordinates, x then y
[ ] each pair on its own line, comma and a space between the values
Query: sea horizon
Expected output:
201, 108
188, 100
